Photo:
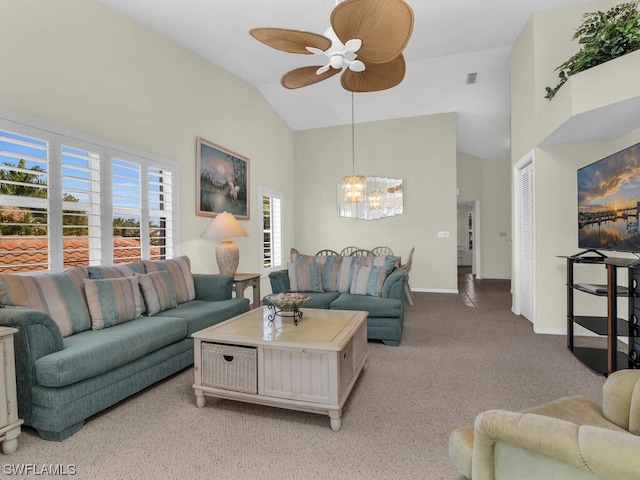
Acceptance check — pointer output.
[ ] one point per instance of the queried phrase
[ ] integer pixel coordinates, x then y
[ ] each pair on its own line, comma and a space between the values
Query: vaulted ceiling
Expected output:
450, 40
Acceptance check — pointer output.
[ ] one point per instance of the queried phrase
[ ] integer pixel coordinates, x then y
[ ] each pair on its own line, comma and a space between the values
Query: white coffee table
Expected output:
310, 367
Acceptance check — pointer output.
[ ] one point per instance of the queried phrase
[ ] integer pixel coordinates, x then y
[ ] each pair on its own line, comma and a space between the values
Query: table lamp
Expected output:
225, 225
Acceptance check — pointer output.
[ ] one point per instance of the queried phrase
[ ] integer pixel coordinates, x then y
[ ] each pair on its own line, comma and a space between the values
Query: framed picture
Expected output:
222, 183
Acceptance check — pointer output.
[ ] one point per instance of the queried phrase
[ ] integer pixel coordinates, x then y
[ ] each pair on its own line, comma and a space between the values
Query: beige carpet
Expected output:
461, 354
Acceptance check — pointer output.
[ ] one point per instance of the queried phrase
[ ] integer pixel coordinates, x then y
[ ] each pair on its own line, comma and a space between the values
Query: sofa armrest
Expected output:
394, 284
38, 335
213, 287
279, 281
587, 448
621, 399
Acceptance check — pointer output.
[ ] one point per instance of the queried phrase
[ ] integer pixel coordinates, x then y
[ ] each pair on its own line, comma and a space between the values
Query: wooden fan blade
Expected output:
384, 26
291, 41
377, 76
303, 76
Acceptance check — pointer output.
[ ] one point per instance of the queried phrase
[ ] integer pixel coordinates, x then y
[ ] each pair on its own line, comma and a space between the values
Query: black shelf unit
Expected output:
606, 360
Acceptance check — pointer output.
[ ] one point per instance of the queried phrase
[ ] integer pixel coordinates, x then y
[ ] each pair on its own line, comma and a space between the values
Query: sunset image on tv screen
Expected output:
608, 202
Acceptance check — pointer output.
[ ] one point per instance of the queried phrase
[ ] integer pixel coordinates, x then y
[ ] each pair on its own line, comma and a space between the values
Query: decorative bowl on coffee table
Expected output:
287, 305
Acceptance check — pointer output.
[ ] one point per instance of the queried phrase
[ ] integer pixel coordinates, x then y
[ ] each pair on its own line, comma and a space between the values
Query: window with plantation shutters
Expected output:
71, 199
126, 194
80, 194
161, 224
24, 198
271, 226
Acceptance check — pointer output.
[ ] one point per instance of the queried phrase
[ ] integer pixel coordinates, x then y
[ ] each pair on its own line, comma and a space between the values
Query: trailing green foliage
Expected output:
603, 36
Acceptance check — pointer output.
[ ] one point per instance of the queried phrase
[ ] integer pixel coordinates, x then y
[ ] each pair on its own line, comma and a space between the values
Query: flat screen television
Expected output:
609, 202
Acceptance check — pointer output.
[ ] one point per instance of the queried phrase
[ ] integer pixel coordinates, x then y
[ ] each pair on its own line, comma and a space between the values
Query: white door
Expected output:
524, 291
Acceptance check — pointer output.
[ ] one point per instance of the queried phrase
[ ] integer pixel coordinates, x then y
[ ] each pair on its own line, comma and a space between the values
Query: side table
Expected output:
241, 281
9, 421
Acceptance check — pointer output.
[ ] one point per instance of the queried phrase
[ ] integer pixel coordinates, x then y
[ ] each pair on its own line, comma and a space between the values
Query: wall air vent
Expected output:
472, 78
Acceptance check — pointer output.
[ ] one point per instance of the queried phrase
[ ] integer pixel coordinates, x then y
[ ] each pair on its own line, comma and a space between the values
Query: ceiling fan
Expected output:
366, 39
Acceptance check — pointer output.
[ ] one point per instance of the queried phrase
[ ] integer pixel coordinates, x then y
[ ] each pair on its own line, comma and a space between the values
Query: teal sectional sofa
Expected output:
92, 336
371, 284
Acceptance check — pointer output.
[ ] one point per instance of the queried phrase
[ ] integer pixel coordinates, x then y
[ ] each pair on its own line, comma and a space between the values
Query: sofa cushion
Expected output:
329, 266
201, 314
304, 277
386, 261
368, 280
180, 270
330, 273
322, 299
114, 271
113, 301
376, 306
90, 353
61, 295
99, 272
158, 292
345, 273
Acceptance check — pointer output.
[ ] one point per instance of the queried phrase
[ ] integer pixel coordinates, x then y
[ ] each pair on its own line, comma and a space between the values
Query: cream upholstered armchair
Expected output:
570, 438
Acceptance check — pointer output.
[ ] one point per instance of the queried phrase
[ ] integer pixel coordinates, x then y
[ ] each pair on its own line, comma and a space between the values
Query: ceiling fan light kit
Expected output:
365, 41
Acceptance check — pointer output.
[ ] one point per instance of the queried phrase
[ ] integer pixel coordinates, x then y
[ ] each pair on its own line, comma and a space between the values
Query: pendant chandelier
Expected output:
353, 185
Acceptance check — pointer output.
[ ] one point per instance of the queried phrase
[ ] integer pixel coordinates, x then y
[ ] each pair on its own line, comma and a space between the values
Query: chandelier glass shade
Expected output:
353, 188
374, 199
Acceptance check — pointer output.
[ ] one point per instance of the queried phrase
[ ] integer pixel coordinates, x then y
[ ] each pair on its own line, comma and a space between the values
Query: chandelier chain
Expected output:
353, 137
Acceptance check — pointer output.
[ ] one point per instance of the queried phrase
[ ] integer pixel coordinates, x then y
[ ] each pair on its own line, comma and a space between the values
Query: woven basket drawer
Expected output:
229, 367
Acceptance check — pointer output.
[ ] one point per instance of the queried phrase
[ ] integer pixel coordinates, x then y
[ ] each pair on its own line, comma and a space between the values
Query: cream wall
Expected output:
543, 44
495, 222
420, 150
488, 182
81, 65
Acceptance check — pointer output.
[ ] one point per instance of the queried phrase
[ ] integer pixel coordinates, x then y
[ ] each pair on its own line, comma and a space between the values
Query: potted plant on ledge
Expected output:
603, 36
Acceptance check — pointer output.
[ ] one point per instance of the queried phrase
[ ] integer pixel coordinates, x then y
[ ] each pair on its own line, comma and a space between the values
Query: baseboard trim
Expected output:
435, 290
550, 331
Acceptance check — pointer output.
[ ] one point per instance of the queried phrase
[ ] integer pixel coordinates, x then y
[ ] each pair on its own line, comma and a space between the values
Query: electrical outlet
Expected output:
443, 234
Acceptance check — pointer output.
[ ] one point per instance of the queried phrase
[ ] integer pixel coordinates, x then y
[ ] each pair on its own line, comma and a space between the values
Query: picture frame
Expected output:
222, 181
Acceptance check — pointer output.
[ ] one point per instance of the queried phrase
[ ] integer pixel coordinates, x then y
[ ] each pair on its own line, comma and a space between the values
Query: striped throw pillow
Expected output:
157, 291
387, 261
368, 280
61, 295
330, 273
115, 271
180, 270
329, 265
304, 277
113, 301
345, 273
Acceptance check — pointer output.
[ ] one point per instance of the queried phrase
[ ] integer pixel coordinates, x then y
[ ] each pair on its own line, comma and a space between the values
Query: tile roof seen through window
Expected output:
25, 254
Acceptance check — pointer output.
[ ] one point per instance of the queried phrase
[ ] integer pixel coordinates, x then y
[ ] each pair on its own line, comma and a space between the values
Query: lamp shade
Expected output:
225, 225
